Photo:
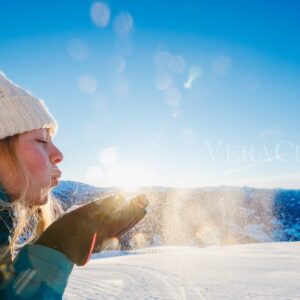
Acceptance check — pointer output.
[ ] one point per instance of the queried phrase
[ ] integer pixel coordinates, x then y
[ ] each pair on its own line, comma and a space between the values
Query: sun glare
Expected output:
129, 188
130, 176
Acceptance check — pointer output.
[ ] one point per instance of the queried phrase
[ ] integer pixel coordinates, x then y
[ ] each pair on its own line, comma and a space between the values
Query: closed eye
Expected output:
43, 142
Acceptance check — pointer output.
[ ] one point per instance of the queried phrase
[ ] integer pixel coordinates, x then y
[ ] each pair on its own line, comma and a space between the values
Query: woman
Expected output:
37, 247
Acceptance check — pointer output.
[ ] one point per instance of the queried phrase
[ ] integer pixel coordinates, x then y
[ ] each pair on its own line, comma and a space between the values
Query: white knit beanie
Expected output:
20, 111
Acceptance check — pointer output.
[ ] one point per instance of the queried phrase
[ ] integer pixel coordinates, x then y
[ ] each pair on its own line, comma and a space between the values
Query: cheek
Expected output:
37, 162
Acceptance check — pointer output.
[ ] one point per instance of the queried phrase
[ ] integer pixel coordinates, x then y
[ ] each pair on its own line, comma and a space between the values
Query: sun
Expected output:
129, 187
130, 176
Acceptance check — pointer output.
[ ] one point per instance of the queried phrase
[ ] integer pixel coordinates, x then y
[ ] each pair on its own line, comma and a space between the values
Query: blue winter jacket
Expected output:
37, 272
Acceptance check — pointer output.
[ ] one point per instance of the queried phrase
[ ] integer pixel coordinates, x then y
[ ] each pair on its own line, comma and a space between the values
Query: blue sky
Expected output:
186, 93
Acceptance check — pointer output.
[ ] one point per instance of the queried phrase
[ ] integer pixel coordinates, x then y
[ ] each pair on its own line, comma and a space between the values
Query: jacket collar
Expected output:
3, 194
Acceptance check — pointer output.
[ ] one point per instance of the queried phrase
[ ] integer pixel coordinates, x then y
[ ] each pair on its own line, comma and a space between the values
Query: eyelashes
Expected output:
43, 142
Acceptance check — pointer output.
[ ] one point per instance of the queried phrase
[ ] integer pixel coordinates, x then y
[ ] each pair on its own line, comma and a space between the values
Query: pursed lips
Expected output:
55, 178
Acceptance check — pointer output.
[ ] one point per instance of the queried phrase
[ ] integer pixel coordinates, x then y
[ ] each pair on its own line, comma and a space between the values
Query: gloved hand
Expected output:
75, 233
122, 219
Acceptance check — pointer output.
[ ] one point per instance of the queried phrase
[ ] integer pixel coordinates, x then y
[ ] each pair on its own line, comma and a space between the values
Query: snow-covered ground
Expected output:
252, 271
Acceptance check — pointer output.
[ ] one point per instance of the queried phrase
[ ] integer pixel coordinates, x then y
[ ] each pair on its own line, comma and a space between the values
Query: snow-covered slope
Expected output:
253, 271
204, 216
73, 193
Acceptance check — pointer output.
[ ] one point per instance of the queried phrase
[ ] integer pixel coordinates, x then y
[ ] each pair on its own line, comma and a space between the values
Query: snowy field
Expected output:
252, 271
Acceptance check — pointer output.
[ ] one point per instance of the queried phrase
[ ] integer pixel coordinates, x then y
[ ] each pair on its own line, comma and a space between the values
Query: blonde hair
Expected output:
29, 220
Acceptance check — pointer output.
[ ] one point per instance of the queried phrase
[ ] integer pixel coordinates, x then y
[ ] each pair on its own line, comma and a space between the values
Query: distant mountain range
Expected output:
202, 216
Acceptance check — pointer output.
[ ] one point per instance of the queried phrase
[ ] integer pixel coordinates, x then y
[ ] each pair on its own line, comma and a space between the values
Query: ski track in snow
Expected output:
255, 271
119, 281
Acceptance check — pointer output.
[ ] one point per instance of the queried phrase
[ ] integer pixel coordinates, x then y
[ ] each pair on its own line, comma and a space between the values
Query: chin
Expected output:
44, 200
38, 196
40, 201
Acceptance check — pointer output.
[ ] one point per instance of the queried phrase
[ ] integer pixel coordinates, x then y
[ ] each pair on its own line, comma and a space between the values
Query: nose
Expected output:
56, 155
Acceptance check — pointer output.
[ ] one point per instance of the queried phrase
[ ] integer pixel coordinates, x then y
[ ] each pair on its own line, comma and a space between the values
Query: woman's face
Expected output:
41, 157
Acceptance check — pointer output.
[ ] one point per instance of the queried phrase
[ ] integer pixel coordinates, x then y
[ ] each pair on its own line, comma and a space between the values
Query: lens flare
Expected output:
194, 72
108, 156
116, 64
100, 14
177, 64
123, 24
94, 175
162, 80
274, 133
88, 84
162, 59
139, 241
208, 236
175, 112
111, 244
